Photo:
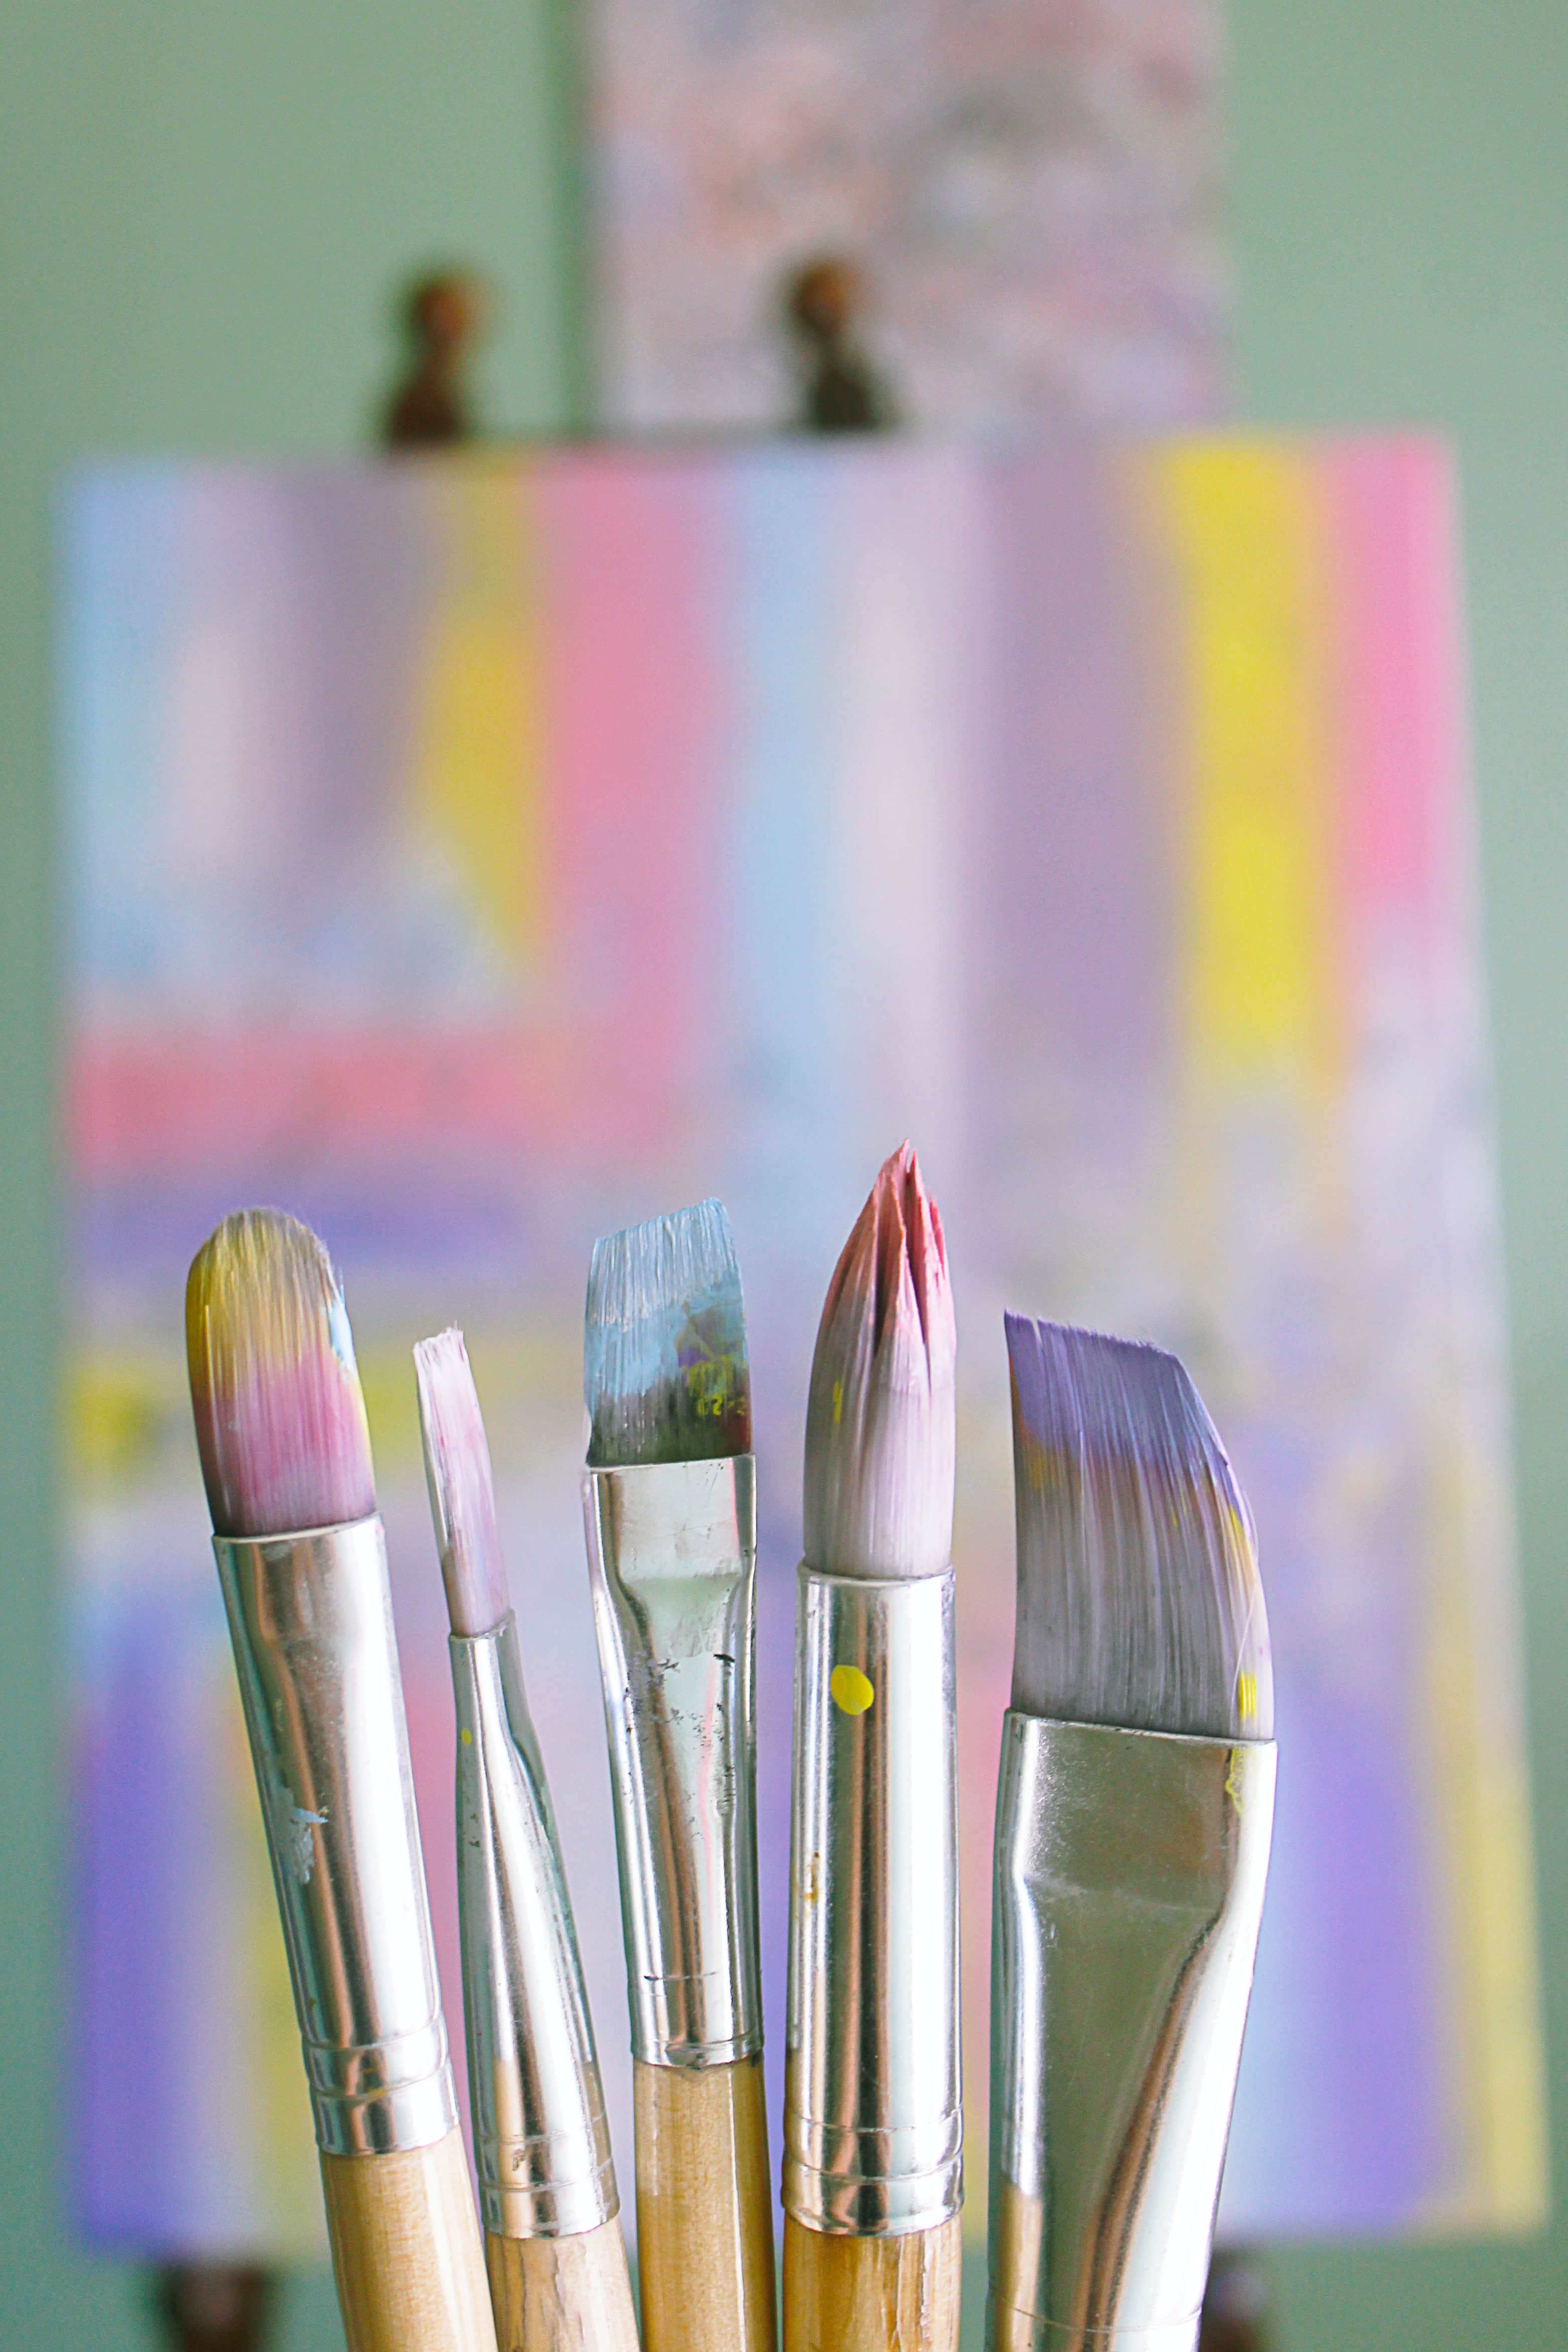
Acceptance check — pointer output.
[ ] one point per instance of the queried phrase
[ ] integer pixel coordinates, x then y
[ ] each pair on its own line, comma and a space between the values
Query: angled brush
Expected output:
285, 1457
872, 2127
670, 1509
1134, 1817
558, 2281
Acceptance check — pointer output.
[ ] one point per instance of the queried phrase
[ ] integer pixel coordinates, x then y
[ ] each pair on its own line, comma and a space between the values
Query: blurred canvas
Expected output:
1035, 191
475, 857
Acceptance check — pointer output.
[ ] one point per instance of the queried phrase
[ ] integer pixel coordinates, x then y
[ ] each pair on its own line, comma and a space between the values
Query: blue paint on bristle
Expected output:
1139, 1601
665, 1376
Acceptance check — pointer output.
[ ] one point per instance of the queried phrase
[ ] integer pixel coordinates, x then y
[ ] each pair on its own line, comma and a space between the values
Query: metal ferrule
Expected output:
311, 1617
873, 2123
540, 2138
1130, 1869
672, 1551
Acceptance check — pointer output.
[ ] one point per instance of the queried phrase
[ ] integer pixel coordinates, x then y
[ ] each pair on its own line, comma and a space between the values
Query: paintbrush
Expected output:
872, 2126
669, 1501
1133, 1824
558, 2281
286, 1456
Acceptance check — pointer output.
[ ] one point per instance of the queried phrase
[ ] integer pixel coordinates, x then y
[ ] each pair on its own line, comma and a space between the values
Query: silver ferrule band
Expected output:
672, 1551
873, 2118
540, 2138
310, 1618
1130, 1870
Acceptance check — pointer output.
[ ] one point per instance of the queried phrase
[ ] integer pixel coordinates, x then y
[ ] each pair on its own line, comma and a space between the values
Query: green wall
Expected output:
203, 206
1402, 199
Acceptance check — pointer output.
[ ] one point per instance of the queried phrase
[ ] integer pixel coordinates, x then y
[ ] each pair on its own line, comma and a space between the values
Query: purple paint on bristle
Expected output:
1139, 1601
274, 1390
462, 1494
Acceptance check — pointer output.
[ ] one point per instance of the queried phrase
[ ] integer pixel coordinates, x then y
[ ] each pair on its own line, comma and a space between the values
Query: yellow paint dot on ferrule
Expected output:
466, 1736
850, 1691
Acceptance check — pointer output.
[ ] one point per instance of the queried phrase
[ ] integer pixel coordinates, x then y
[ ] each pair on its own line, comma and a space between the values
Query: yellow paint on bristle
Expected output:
1247, 1698
838, 1402
850, 1691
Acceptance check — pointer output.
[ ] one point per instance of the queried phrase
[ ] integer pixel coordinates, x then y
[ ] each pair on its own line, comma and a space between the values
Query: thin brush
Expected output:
1133, 1827
285, 1457
670, 1515
1139, 1601
553, 2247
461, 1493
872, 2172
665, 1374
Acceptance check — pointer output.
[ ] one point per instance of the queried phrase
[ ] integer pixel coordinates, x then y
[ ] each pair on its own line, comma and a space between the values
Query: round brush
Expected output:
280, 1426
872, 2126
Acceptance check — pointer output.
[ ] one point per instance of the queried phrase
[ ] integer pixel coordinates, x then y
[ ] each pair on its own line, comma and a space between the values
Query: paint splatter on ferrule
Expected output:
872, 2115
672, 1551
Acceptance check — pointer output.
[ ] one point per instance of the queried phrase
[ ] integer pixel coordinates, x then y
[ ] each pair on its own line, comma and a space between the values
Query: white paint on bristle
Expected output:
880, 1417
462, 1494
1139, 1601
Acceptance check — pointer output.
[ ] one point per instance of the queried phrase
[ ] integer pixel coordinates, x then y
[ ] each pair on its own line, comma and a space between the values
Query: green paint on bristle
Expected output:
665, 1374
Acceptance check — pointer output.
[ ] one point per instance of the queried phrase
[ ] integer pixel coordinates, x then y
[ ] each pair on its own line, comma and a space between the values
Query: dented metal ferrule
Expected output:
672, 1550
540, 2138
873, 2118
1129, 1870
310, 1618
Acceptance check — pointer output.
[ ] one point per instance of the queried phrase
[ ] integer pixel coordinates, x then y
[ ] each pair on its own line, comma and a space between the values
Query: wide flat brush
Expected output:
553, 2248
1133, 1818
286, 1456
669, 1500
873, 2122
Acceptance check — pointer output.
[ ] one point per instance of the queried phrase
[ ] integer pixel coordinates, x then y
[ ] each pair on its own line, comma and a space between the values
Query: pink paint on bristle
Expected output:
461, 1493
274, 1390
880, 1424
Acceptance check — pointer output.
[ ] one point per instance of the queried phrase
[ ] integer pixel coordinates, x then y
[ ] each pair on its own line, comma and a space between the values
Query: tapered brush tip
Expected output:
274, 1390
880, 1415
1139, 1601
666, 1375
461, 1493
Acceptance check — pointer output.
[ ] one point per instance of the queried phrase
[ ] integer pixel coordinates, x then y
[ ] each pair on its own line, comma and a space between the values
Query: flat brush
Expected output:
669, 1500
1133, 1818
558, 2281
873, 2124
286, 1456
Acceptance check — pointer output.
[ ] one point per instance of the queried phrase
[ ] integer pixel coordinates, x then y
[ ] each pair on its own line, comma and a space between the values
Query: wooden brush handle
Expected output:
562, 2295
405, 2251
704, 2222
872, 2295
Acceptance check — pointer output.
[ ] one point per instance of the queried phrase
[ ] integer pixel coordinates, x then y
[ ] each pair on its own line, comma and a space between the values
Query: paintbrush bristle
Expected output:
280, 1419
881, 1414
1139, 1601
462, 1496
664, 1370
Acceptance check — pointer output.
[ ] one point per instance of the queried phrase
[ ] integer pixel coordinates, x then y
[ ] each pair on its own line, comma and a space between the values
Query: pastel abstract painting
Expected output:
476, 857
